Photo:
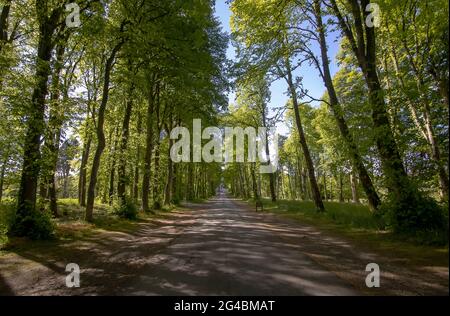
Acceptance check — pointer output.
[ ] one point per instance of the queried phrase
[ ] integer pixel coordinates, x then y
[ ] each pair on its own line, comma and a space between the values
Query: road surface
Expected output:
230, 250
221, 247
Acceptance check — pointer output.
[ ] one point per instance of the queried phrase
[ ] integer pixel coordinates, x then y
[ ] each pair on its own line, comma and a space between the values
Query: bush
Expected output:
126, 209
7, 212
176, 200
35, 225
157, 205
418, 216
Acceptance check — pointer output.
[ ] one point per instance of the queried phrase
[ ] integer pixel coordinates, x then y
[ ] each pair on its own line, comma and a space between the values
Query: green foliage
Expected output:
172, 68
7, 212
126, 209
426, 228
176, 200
419, 217
357, 216
36, 225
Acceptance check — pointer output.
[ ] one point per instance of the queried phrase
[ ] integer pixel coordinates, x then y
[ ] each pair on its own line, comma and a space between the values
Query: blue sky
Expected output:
311, 80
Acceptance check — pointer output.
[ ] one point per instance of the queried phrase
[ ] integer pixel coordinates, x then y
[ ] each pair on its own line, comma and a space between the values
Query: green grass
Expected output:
345, 214
71, 225
357, 223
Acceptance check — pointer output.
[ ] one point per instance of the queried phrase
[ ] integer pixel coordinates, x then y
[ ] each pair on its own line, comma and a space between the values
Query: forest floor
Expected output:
220, 247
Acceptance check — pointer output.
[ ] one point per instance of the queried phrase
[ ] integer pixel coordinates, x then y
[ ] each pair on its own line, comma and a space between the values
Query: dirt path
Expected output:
218, 248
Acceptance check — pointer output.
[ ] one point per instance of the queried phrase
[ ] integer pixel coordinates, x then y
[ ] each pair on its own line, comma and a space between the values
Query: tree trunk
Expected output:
2, 175
273, 194
190, 182
254, 184
137, 166
247, 182
156, 180
112, 169
121, 171
369, 189
291, 184
170, 174
4, 15
4, 38
66, 175
309, 163
83, 171
100, 134
51, 146
148, 153
175, 184
241, 182
157, 192
364, 49
355, 197
281, 185
35, 124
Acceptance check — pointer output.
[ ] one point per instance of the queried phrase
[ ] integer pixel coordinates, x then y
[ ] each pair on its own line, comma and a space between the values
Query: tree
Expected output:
361, 37
269, 49
48, 21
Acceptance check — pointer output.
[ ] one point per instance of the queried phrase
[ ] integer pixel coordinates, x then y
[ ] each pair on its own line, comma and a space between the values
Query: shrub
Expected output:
36, 225
418, 216
7, 213
126, 209
157, 205
176, 200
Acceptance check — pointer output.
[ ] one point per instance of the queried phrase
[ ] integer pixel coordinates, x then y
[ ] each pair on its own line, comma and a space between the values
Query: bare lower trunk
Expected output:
121, 170
355, 197
2, 176
169, 184
325, 193
112, 175
309, 163
156, 180
137, 166
175, 185
112, 168
254, 184
273, 194
83, 172
148, 154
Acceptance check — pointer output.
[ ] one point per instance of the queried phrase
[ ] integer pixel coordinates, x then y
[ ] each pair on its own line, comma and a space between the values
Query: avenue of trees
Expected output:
86, 111
379, 134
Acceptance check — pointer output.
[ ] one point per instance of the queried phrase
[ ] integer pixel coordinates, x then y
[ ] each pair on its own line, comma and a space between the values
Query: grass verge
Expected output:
70, 225
356, 223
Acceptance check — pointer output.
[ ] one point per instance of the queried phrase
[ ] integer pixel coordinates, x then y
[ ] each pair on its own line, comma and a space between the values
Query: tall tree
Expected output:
48, 21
